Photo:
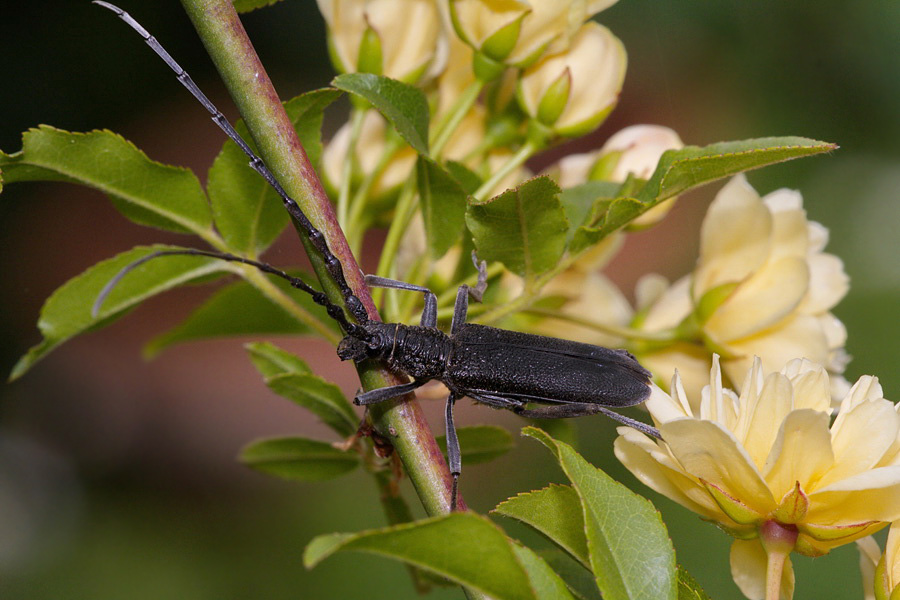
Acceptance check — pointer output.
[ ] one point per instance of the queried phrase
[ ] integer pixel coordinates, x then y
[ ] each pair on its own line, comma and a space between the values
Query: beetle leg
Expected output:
429, 313
477, 292
496, 401
454, 460
386, 393
564, 411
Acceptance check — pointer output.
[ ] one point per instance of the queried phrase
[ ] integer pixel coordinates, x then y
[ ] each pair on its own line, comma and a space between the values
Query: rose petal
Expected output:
748, 569
761, 301
861, 438
692, 363
801, 453
658, 471
870, 495
790, 234
670, 308
828, 283
799, 336
709, 452
869, 555
735, 237
767, 414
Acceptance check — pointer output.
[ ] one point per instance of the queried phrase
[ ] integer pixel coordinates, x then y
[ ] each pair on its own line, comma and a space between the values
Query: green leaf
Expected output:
579, 201
524, 228
688, 588
692, 166
67, 312
270, 360
443, 206
248, 212
615, 214
298, 459
403, 105
579, 580
554, 511
480, 443
630, 551
238, 309
145, 191
463, 547
466, 177
243, 6
322, 398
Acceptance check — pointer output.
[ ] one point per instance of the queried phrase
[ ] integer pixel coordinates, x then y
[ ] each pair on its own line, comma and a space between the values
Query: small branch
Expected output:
399, 420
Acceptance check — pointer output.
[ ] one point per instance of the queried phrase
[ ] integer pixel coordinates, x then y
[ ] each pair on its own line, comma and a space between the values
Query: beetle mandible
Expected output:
497, 367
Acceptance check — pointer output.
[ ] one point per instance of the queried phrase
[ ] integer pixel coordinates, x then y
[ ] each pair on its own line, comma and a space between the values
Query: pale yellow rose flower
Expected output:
770, 462
401, 39
573, 91
517, 33
762, 287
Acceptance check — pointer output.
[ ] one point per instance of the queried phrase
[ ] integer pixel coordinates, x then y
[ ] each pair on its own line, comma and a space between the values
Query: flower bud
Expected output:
401, 39
572, 92
514, 33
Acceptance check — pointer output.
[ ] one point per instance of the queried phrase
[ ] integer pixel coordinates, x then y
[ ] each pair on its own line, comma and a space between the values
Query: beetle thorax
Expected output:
420, 352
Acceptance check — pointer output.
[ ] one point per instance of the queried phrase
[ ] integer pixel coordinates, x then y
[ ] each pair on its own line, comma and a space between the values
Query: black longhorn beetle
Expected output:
497, 367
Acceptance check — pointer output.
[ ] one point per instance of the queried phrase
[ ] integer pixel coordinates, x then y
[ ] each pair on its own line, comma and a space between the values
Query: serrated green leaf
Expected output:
524, 228
463, 547
443, 202
554, 511
579, 201
238, 309
270, 360
67, 312
403, 105
688, 588
544, 580
692, 166
480, 443
579, 580
243, 6
248, 213
630, 552
321, 397
467, 178
615, 215
298, 459
145, 191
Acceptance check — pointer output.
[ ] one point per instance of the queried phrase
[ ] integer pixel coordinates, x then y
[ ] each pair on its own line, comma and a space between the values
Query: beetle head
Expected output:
353, 348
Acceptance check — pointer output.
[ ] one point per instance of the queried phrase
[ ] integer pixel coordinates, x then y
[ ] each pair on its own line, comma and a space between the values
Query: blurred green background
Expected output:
117, 476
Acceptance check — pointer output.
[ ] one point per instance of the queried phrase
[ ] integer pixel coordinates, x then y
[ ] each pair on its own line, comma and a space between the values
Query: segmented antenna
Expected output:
335, 269
334, 311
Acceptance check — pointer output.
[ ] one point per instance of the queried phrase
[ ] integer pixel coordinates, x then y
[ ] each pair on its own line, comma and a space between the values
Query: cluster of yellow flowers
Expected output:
796, 459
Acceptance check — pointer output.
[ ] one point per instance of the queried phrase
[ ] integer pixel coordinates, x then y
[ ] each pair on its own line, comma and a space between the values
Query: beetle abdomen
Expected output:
542, 369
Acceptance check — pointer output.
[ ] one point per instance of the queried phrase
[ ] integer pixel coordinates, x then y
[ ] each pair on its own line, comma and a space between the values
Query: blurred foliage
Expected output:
149, 525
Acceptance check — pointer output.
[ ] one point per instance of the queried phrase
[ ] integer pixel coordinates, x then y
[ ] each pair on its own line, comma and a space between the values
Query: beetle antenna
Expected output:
334, 311
335, 269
